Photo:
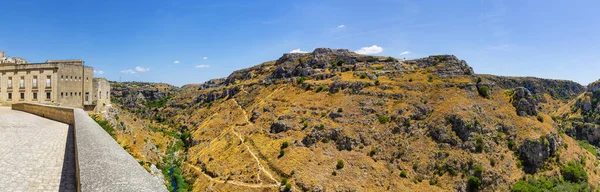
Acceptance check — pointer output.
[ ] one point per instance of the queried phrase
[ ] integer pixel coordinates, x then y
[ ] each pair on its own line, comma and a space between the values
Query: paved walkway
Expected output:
35, 154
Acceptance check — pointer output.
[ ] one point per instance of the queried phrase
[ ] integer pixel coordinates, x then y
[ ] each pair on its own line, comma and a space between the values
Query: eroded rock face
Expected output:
342, 141
535, 152
281, 126
460, 127
524, 101
452, 65
585, 131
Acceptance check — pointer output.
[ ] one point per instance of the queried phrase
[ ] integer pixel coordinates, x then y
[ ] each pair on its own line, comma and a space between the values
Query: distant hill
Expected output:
334, 120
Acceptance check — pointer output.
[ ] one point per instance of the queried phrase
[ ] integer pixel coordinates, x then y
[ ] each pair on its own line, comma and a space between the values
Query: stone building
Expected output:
101, 96
60, 82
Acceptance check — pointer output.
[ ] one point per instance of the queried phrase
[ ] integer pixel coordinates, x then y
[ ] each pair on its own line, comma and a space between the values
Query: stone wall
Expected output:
2, 54
60, 114
102, 164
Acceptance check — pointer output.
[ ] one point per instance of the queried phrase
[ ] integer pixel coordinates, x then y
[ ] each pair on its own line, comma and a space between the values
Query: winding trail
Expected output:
260, 165
251, 185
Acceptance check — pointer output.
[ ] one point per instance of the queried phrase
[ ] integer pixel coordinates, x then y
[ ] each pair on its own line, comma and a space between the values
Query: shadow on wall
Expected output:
68, 177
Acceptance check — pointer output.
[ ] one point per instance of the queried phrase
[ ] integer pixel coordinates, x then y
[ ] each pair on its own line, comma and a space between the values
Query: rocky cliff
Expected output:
334, 120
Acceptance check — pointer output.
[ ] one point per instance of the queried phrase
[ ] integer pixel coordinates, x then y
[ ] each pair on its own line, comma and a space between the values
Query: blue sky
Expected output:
191, 41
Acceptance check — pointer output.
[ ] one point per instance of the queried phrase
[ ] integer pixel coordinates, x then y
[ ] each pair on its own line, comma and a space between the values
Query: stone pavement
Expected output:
32, 153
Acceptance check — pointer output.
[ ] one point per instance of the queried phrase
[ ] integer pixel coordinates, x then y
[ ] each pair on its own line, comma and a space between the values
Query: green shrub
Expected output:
288, 187
284, 145
574, 172
301, 80
334, 173
510, 144
320, 88
403, 174
105, 125
374, 151
479, 144
377, 83
281, 153
493, 162
410, 80
540, 118
340, 164
483, 91
430, 79
383, 119
325, 140
390, 59
363, 76
340, 110
473, 184
550, 184
587, 146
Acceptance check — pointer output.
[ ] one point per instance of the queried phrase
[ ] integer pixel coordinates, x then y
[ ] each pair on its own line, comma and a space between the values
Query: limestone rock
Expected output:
281, 126
535, 152
524, 101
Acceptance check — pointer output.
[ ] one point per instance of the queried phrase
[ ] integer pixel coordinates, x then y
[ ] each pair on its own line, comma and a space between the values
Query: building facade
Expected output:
60, 82
101, 90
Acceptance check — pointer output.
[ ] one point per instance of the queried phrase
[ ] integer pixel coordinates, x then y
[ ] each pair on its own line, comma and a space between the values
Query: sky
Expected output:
191, 41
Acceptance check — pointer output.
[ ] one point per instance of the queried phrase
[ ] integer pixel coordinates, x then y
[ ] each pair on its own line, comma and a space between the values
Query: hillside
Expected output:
334, 120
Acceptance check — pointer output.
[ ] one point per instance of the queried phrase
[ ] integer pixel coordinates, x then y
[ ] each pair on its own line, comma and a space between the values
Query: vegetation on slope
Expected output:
351, 122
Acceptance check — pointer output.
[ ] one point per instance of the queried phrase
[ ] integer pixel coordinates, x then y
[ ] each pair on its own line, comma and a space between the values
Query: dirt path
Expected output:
261, 167
251, 185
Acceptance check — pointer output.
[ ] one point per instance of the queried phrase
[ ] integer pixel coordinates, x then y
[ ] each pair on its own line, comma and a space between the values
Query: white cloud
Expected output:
405, 53
176, 62
141, 69
298, 51
128, 71
341, 26
202, 66
370, 50
205, 58
98, 72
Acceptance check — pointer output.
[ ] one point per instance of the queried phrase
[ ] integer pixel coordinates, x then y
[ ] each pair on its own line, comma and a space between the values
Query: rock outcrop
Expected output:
524, 102
450, 65
558, 89
535, 152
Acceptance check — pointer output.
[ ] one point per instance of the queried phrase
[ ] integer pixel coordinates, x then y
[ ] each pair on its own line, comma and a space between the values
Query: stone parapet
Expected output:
102, 164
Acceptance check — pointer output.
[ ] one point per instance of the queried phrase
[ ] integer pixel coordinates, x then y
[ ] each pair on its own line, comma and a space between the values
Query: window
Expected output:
80, 94
48, 95
22, 96
71, 78
9, 96
62, 77
35, 81
34, 96
87, 95
62, 95
49, 81
71, 94
9, 82
22, 82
